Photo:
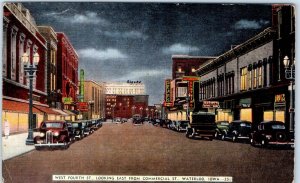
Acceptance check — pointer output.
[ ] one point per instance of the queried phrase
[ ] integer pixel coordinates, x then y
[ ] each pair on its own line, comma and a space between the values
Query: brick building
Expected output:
67, 72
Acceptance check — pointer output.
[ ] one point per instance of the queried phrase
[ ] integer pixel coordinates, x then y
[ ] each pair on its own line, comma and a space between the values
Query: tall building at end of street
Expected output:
125, 88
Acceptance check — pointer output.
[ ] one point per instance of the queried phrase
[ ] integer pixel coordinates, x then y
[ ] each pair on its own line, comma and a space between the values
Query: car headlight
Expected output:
269, 136
56, 134
42, 134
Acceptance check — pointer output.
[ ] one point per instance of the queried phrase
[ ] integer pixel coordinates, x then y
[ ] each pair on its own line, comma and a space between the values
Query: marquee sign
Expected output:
211, 104
168, 101
67, 100
83, 106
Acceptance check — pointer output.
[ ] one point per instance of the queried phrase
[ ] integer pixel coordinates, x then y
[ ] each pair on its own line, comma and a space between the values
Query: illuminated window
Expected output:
193, 69
250, 79
255, 78
259, 76
243, 78
179, 69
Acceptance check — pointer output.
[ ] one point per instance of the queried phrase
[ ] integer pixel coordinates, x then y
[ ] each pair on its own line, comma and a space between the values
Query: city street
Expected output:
125, 149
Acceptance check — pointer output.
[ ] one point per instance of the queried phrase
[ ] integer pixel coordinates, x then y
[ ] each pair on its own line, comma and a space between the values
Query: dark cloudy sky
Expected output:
135, 41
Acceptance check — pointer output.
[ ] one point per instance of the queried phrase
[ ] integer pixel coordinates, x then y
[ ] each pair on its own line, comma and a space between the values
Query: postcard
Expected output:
148, 92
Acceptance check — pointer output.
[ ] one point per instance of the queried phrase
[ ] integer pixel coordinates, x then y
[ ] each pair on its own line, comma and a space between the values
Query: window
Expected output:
193, 69
243, 78
179, 69
250, 80
255, 78
259, 77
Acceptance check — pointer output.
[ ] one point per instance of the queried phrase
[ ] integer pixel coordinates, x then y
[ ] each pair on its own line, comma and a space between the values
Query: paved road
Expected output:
124, 149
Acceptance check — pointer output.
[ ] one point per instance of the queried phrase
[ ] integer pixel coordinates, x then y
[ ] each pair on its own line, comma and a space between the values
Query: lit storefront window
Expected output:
259, 76
279, 116
246, 114
243, 78
268, 115
255, 78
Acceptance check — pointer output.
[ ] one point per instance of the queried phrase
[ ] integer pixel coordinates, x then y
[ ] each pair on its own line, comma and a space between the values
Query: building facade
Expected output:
94, 95
67, 73
182, 85
21, 35
125, 88
50, 35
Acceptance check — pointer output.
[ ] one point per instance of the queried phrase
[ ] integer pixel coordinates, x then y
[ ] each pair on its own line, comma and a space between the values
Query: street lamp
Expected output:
147, 112
290, 74
141, 109
187, 108
113, 113
152, 113
30, 70
133, 110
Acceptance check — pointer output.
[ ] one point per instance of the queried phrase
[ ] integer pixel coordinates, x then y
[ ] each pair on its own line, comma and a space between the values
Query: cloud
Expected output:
87, 17
107, 54
179, 48
139, 74
250, 24
127, 34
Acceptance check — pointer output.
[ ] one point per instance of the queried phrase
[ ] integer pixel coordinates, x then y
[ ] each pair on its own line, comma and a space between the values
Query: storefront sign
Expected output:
67, 100
245, 102
280, 98
211, 104
168, 93
83, 106
81, 84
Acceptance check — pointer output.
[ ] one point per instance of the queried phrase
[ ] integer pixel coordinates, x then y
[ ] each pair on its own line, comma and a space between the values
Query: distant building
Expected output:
94, 95
125, 88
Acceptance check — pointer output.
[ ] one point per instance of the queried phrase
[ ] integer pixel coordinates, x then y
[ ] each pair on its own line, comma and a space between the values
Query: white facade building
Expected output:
125, 88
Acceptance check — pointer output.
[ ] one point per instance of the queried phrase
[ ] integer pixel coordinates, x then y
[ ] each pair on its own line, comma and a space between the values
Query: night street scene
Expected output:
148, 92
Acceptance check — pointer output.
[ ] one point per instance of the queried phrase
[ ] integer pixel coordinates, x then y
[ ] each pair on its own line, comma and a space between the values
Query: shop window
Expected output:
259, 77
250, 79
243, 78
279, 116
246, 114
268, 115
255, 78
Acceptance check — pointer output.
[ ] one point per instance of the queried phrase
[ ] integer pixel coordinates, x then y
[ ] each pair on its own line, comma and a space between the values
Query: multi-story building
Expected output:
181, 85
249, 80
51, 38
128, 88
94, 95
126, 106
21, 35
67, 72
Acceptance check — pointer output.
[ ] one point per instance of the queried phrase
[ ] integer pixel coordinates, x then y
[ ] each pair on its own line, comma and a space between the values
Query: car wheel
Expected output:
234, 138
252, 142
216, 135
223, 137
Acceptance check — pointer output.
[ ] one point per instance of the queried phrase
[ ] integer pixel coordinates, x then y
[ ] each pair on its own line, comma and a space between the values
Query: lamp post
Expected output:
147, 112
187, 108
290, 74
113, 113
141, 109
152, 113
30, 70
133, 110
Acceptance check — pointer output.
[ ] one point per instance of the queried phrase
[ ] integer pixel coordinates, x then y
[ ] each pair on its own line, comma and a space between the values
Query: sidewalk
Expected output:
15, 145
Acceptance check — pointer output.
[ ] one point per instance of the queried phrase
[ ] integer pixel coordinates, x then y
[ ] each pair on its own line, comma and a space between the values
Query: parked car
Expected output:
181, 125
71, 131
272, 133
86, 128
201, 124
123, 120
52, 134
78, 129
171, 125
221, 129
238, 129
138, 121
156, 122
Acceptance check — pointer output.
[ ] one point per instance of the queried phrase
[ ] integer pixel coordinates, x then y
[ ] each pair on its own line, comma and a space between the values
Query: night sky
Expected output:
135, 41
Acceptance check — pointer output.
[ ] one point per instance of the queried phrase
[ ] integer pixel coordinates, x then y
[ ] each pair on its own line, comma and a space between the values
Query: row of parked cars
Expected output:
60, 133
203, 125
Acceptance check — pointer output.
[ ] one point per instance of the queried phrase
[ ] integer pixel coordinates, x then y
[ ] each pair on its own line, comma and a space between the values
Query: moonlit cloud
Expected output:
250, 24
143, 74
127, 34
87, 17
179, 48
107, 54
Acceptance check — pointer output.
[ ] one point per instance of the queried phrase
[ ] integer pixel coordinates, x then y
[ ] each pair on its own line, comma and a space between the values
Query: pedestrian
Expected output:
6, 128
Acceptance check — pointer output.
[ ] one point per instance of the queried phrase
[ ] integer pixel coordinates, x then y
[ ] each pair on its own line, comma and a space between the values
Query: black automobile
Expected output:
78, 130
95, 124
272, 133
238, 130
181, 125
71, 131
221, 129
138, 121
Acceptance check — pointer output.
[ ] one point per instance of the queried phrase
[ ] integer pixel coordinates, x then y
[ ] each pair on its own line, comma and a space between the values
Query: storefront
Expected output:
245, 109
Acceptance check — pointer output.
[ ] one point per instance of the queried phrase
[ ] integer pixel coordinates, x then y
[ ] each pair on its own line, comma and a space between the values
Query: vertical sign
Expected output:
191, 80
81, 84
168, 92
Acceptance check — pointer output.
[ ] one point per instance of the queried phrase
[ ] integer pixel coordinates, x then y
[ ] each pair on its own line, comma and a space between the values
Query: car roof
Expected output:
241, 121
272, 122
54, 121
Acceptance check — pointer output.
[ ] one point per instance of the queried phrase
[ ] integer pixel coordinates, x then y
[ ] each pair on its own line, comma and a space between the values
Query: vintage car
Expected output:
272, 133
71, 131
78, 130
171, 125
138, 121
221, 129
238, 129
202, 124
86, 127
181, 125
52, 134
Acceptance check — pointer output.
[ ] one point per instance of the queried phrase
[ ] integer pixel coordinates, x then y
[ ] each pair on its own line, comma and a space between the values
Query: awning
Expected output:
16, 106
46, 110
60, 112
69, 112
